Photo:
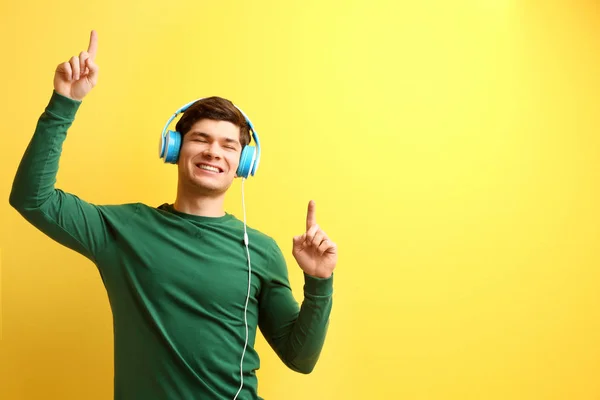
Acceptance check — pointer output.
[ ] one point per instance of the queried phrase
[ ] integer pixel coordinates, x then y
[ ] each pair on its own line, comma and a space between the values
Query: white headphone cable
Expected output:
246, 242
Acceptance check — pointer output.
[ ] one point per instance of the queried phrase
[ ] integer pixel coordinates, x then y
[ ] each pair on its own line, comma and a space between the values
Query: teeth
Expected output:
208, 168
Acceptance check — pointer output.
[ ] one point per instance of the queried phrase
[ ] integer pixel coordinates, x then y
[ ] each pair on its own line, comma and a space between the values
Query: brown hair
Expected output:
216, 108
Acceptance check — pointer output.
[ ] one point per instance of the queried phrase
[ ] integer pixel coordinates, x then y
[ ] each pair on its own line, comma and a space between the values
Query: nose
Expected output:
212, 151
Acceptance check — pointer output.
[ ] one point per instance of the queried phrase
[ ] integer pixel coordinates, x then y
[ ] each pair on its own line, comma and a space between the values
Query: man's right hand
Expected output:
76, 77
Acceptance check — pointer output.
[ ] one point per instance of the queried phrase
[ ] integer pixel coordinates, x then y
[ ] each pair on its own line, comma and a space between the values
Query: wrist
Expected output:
63, 106
317, 286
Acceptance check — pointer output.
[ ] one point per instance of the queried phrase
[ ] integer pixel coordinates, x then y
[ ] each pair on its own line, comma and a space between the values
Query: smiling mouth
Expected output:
209, 168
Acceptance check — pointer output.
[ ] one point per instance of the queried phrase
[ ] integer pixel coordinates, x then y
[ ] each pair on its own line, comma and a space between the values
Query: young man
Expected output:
186, 294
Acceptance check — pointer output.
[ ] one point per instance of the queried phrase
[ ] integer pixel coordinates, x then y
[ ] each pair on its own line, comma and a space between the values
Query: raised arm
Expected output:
297, 332
60, 215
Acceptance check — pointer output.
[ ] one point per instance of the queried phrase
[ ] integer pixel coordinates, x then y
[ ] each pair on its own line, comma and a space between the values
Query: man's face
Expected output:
209, 156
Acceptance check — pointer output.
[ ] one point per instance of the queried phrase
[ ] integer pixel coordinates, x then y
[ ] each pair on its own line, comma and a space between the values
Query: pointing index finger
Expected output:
93, 46
311, 218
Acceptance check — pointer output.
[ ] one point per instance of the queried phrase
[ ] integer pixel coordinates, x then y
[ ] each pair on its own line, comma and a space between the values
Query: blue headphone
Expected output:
170, 144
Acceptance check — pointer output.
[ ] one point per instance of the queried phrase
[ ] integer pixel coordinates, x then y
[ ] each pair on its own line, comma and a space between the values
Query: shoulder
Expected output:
261, 236
127, 211
275, 260
259, 239
257, 236
137, 208
122, 209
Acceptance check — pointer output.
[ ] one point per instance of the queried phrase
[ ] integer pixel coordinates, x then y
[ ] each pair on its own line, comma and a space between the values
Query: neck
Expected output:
199, 204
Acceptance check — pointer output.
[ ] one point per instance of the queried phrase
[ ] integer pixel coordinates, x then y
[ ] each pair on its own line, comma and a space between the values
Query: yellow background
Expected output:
451, 147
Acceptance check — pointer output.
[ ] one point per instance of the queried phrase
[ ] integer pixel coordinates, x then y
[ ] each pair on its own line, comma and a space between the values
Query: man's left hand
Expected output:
314, 252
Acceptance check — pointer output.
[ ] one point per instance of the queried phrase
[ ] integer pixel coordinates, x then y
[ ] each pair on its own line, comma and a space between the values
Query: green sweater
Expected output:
176, 283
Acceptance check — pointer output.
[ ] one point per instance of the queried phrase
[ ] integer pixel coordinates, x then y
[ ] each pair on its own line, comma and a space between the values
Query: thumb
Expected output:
298, 240
94, 69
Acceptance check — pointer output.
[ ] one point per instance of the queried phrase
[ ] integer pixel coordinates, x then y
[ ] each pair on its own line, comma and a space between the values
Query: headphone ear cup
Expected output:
246, 162
171, 145
162, 146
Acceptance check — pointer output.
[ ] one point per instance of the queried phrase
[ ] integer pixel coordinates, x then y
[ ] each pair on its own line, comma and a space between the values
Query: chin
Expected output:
208, 186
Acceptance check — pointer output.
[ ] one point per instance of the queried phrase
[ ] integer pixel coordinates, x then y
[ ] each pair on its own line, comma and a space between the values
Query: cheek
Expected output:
187, 152
182, 161
233, 160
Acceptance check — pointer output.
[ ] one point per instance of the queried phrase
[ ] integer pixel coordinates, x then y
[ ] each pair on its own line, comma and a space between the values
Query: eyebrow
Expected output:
206, 135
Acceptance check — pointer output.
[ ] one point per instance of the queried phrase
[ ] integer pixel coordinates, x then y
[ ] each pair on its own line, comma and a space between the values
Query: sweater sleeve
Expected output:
295, 332
62, 216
